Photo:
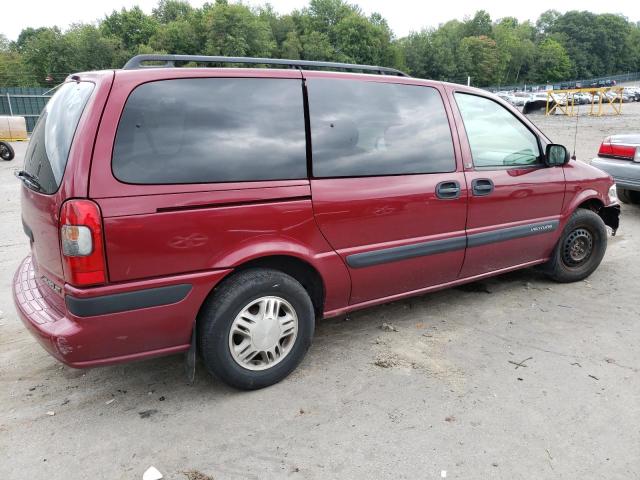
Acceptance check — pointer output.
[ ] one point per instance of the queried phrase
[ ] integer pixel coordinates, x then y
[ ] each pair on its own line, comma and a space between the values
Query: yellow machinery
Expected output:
563, 101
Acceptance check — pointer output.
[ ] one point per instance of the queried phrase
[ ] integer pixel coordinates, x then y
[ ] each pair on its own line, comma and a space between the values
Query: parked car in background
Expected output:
581, 98
633, 92
619, 156
224, 210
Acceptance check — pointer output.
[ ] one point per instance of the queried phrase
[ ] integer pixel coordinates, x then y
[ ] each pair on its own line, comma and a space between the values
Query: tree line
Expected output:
576, 44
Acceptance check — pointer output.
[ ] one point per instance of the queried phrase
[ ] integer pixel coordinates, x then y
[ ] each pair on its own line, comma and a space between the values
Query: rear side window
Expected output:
211, 130
50, 142
368, 128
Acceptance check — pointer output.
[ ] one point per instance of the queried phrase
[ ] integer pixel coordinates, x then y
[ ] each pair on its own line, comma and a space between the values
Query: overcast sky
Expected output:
403, 16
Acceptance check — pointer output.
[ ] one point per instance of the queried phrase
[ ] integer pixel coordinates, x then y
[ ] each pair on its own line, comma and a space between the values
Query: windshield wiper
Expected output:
30, 180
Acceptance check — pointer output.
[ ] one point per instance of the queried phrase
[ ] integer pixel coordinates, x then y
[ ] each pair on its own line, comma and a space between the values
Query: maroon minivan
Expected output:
170, 207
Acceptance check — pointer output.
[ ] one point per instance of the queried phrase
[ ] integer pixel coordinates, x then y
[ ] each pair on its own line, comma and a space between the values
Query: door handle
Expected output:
481, 187
448, 190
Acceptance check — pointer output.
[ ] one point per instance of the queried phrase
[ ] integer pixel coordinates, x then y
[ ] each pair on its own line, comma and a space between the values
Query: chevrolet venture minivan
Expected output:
179, 204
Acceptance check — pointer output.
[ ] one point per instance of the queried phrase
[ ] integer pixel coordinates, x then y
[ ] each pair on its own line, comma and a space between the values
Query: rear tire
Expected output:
256, 328
628, 196
580, 248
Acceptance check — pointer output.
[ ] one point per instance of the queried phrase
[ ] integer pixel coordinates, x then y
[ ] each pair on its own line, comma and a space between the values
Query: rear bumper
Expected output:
626, 173
112, 324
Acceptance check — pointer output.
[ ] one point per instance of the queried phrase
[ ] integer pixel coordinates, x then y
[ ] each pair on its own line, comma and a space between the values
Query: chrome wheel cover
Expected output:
263, 333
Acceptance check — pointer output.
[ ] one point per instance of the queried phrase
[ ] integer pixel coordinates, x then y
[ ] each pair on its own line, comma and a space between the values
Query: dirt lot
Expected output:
442, 394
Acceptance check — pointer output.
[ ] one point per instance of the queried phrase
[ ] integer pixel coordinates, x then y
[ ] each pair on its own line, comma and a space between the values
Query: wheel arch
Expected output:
298, 268
594, 201
610, 214
305, 273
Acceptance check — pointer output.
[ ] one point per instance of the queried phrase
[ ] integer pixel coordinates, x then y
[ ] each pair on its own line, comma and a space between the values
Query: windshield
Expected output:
50, 142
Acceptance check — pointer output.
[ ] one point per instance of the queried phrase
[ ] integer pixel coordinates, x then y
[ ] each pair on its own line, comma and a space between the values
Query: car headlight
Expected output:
613, 194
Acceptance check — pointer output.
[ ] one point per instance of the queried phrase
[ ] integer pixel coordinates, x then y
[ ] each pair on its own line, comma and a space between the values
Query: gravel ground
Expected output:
514, 377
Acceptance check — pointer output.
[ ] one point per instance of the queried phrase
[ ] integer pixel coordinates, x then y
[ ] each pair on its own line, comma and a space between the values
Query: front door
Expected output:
514, 199
388, 193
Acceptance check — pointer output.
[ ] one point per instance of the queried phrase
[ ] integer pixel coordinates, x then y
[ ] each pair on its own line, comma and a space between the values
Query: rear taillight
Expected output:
81, 243
627, 152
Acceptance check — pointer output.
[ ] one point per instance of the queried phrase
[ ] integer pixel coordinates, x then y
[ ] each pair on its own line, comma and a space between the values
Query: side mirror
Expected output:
556, 155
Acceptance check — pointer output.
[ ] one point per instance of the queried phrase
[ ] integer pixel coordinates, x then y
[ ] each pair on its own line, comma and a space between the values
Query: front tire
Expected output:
580, 248
256, 328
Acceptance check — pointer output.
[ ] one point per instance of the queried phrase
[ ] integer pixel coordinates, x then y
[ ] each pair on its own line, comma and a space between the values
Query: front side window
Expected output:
497, 138
368, 128
202, 130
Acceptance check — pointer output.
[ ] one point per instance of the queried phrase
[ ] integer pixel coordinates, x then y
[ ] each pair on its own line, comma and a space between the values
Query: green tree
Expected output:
291, 47
479, 25
25, 35
558, 47
91, 50
235, 30
516, 49
172, 10
552, 63
479, 59
596, 44
316, 46
177, 36
324, 15
133, 27
359, 40
13, 70
547, 20
49, 54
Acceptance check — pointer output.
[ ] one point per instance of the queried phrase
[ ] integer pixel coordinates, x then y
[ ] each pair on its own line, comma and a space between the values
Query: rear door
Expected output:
388, 193
514, 199
57, 159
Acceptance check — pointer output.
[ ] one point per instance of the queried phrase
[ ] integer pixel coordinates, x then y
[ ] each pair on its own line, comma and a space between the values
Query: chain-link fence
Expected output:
584, 82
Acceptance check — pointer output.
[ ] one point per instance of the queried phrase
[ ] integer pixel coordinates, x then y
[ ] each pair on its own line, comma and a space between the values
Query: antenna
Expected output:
575, 135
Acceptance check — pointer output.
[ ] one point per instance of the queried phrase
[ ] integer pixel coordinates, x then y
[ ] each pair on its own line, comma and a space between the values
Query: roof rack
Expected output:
139, 62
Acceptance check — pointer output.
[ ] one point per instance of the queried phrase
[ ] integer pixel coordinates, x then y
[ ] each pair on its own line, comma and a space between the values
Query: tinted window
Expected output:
212, 130
367, 128
497, 138
50, 142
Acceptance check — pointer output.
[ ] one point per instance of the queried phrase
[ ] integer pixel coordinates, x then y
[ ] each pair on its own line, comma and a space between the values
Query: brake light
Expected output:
81, 243
627, 152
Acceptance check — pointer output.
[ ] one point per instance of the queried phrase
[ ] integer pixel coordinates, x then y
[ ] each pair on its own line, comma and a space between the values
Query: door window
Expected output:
496, 137
368, 128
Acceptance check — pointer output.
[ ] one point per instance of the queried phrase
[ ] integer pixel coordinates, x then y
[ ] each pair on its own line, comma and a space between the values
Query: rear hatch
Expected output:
52, 166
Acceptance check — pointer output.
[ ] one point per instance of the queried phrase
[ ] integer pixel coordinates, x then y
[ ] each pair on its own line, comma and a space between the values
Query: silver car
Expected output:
619, 156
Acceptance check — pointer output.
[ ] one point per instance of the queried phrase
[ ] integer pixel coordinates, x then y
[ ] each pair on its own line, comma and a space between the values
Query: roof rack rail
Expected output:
139, 62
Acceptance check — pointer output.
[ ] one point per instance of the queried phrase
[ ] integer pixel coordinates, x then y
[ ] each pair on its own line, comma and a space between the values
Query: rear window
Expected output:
50, 142
206, 130
368, 128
